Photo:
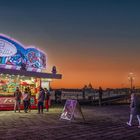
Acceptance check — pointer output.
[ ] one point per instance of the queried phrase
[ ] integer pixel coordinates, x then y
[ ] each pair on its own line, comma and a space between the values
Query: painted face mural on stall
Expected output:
13, 53
35, 58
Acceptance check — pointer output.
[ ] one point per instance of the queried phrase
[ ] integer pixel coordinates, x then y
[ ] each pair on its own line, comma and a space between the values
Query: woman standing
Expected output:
17, 95
25, 100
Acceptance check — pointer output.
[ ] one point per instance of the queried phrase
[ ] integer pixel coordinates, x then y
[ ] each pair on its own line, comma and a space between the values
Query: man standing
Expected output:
47, 98
100, 96
29, 98
41, 99
17, 95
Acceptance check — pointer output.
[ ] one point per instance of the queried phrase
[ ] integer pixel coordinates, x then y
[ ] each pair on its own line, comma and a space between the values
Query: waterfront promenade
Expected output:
102, 123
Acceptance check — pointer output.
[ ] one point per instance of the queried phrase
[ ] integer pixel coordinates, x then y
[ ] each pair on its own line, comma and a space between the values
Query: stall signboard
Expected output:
72, 110
7, 103
69, 109
14, 54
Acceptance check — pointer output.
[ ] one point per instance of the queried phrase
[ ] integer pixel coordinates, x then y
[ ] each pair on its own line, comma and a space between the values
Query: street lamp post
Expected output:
131, 78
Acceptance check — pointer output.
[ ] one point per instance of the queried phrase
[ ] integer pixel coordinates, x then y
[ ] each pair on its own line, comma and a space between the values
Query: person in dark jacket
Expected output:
41, 99
29, 98
134, 109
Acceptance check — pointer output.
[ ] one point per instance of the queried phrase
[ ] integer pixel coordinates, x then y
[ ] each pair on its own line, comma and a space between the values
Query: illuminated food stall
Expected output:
21, 67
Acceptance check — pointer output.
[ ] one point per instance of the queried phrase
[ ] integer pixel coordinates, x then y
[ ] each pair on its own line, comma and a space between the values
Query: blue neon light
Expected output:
32, 57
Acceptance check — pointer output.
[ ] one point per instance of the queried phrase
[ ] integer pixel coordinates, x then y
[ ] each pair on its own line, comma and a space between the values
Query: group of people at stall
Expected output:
43, 96
25, 96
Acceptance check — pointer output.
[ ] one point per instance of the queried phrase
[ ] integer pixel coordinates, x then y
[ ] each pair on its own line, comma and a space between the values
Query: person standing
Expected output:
134, 109
41, 99
25, 100
100, 95
17, 95
84, 92
47, 98
56, 96
29, 99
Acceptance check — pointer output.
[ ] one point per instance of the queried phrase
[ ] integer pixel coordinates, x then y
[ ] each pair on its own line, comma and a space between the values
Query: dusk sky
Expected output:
89, 41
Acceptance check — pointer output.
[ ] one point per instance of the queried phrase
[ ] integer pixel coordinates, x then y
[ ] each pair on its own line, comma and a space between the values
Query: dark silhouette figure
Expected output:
58, 96
84, 92
29, 99
54, 71
100, 96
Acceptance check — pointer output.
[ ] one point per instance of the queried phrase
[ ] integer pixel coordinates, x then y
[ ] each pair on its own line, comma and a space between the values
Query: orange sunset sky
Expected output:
87, 66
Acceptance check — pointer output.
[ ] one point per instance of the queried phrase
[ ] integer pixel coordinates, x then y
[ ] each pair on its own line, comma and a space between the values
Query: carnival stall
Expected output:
21, 67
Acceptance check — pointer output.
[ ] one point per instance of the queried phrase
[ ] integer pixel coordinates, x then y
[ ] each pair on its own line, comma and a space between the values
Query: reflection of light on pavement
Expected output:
55, 110
64, 115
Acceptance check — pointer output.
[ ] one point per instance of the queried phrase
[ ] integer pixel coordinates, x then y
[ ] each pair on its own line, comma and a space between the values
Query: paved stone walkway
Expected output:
102, 123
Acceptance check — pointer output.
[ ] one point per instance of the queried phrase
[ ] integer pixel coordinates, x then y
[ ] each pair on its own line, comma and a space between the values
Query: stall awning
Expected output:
30, 73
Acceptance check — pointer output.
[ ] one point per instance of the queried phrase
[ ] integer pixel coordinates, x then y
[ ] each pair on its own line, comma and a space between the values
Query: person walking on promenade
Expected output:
100, 95
47, 98
134, 109
26, 100
17, 95
41, 99
29, 99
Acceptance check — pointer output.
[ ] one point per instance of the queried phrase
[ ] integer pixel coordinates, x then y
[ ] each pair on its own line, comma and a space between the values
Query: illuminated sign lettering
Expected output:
15, 54
7, 48
7, 100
